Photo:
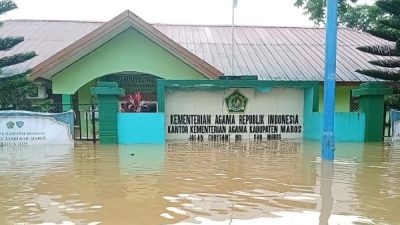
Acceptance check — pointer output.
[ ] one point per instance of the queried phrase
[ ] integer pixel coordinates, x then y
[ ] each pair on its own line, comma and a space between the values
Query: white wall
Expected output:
279, 101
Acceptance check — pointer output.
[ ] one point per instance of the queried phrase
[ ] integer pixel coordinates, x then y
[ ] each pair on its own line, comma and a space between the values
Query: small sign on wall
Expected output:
395, 118
234, 114
22, 128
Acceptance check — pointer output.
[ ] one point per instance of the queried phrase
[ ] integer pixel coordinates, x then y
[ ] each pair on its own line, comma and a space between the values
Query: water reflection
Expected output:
200, 183
21, 170
141, 159
242, 180
253, 183
378, 183
327, 170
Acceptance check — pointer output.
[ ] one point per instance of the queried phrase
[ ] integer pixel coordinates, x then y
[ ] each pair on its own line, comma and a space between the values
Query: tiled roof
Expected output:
271, 53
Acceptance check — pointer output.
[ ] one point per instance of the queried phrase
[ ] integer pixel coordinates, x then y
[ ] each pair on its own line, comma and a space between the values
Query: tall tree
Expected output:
315, 9
14, 88
390, 31
362, 17
352, 15
388, 68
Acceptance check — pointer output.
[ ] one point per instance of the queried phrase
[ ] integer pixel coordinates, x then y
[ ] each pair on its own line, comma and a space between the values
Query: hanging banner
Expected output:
395, 118
23, 128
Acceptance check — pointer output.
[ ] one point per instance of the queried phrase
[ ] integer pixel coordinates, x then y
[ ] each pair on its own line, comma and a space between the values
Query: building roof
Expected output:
106, 32
271, 53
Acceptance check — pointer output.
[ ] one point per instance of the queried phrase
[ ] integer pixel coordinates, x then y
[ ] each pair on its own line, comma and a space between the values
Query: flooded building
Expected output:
179, 70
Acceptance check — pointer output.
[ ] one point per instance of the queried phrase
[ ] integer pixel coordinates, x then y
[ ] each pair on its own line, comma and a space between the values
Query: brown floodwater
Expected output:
200, 183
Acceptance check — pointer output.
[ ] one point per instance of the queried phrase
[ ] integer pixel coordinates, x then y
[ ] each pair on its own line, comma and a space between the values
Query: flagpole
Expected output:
233, 37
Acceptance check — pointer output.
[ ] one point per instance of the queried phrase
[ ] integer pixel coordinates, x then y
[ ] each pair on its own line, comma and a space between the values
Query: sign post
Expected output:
328, 132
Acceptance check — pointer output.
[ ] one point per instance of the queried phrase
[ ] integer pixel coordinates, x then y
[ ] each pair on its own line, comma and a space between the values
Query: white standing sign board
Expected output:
21, 128
395, 118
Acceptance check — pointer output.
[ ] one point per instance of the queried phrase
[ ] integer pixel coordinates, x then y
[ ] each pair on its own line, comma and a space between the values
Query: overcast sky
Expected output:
248, 12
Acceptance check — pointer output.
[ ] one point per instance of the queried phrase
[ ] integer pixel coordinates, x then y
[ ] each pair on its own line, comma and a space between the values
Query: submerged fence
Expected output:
86, 125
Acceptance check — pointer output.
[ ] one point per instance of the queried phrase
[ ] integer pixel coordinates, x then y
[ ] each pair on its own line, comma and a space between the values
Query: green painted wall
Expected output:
129, 51
373, 105
108, 94
85, 98
343, 94
372, 97
84, 95
108, 108
66, 102
349, 127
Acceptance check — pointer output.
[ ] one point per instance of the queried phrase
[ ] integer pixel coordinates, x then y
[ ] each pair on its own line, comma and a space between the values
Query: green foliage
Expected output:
15, 59
387, 68
14, 88
389, 6
9, 42
388, 30
385, 33
392, 23
392, 102
384, 50
360, 17
388, 63
7, 5
316, 9
388, 75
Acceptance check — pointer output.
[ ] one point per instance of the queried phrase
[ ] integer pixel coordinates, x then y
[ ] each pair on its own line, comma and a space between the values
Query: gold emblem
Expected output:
236, 102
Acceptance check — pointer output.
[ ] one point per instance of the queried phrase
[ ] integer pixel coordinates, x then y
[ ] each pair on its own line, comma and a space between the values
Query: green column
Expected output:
107, 97
371, 100
66, 102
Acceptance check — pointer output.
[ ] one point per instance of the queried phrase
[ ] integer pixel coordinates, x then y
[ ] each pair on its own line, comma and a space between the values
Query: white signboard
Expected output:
26, 128
234, 114
396, 131
395, 118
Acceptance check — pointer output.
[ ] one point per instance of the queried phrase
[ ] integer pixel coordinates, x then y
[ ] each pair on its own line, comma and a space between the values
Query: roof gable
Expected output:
108, 31
130, 51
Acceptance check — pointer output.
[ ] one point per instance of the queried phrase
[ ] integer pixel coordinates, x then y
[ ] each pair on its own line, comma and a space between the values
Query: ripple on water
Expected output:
285, 218
176, 210
200, 183
167, 216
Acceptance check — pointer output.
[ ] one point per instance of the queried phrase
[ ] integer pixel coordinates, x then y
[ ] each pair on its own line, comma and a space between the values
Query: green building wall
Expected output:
85, 99
128, 51
349, 126
343, 96
84, 95
132, 51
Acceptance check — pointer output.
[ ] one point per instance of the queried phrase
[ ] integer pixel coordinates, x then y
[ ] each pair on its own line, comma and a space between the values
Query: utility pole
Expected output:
328, 132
